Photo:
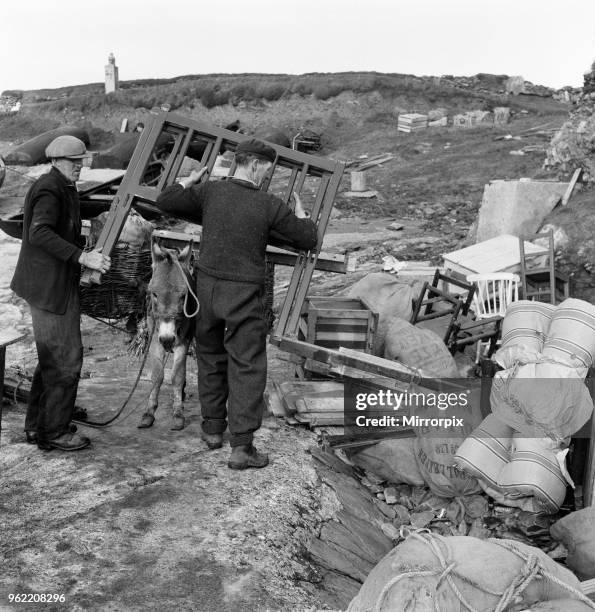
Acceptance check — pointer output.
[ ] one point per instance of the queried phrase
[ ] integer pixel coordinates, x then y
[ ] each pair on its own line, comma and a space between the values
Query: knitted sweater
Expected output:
237, 220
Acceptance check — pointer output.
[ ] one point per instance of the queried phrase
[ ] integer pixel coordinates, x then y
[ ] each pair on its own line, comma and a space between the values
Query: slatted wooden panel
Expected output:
338, 322
316, 179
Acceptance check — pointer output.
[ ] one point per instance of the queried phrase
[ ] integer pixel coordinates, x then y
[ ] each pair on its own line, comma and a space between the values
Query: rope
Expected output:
184, 276
447, 572
100, 424
122, 329
549, 576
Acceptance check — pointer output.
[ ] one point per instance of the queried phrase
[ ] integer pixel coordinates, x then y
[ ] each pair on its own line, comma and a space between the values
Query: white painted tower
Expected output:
111, 74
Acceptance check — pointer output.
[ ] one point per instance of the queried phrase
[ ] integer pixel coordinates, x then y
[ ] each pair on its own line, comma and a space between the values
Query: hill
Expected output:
437, 175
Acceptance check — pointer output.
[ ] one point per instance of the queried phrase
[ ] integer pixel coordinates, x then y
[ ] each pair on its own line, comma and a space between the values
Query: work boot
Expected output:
69, 441
32, 437
213, 440
246, 456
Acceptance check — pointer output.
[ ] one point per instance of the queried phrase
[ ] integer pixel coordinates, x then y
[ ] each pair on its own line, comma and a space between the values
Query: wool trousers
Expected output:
231, 356
60, 359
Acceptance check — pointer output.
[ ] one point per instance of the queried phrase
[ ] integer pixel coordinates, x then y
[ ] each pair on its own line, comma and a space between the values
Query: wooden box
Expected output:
333, 322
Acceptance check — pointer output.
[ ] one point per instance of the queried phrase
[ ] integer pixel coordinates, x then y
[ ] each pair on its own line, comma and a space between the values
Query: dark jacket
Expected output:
237, 220
48, 268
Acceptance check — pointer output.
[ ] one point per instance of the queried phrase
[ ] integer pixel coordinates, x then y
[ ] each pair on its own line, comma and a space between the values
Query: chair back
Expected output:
542, 264
494, 293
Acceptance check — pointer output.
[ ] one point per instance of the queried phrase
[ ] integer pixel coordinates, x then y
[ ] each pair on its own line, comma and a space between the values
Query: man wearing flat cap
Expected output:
237, 219
47, 277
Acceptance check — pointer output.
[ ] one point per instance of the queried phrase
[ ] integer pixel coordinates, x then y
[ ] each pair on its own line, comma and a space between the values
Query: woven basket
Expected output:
122, 290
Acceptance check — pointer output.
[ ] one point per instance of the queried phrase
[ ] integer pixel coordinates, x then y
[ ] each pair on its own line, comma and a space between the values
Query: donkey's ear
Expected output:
157, 252
185, 255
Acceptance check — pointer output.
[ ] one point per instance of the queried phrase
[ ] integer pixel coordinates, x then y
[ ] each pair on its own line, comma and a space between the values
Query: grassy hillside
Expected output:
259, 101
437, 176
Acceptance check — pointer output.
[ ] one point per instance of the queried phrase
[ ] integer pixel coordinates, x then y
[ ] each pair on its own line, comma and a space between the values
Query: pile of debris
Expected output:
573, 145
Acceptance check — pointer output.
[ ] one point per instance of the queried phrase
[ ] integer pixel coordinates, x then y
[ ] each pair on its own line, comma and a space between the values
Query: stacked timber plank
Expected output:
313, 403
412, 122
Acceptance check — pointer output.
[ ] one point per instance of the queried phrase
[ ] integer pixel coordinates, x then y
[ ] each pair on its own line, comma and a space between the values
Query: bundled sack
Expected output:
486, 451
577, 532
524, 330
428, 572
526, 473
390, 297
484, 454
571, 335
543, 399
419, 348
536, 469
392, 460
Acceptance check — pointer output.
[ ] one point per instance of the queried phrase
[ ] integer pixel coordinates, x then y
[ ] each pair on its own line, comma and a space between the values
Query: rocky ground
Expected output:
150, 519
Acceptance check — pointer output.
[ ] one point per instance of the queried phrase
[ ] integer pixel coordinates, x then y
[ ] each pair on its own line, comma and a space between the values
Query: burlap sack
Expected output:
390, 297
419, 348
541, 399
577, 532
428, 572
436, 448
561, 605
393, 460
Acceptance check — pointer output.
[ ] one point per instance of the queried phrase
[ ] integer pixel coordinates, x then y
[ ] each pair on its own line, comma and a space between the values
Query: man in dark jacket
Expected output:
237, 219
47, 277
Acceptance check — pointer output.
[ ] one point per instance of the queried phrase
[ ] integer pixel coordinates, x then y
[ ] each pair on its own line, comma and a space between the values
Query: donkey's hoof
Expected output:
146, 420
178, 422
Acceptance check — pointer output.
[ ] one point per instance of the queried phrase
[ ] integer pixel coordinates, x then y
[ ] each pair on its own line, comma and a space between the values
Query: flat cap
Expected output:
257, 148
66, 146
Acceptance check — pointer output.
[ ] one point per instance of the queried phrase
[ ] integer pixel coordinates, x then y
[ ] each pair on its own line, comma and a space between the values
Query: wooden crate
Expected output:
333, 322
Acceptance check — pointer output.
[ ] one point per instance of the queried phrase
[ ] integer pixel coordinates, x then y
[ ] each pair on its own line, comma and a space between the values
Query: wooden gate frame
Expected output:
183, 133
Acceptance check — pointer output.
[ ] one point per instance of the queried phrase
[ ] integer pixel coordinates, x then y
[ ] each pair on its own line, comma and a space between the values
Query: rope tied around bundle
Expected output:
447, 571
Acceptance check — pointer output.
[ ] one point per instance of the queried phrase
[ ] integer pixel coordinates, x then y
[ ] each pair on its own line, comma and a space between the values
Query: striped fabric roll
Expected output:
524, 330
534, 471
571, 335
486, 451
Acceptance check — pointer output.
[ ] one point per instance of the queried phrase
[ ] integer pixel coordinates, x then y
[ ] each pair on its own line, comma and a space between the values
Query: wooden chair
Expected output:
433, 302
539, 278
495, 291
465, 295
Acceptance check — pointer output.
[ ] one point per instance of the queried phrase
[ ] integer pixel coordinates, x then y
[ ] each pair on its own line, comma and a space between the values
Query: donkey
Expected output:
170, 292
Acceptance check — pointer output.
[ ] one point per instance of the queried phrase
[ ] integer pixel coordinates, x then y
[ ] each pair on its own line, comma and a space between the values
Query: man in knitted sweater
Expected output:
237, 220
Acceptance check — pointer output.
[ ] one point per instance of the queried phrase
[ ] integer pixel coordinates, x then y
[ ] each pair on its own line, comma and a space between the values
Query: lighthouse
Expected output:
111, 74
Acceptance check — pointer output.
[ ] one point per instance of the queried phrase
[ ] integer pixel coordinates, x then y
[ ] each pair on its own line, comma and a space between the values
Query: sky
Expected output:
45, 44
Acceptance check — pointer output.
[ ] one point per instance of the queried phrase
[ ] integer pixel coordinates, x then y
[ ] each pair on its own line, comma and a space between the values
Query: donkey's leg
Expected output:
178, 381
156, 360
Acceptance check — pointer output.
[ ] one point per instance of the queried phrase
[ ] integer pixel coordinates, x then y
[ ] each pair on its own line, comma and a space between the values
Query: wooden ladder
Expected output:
169, 137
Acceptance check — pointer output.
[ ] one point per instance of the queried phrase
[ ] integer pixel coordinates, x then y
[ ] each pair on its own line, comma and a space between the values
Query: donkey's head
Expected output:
168, 291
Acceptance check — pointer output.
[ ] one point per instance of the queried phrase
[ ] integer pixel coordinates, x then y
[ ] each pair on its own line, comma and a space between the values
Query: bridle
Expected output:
189, 290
